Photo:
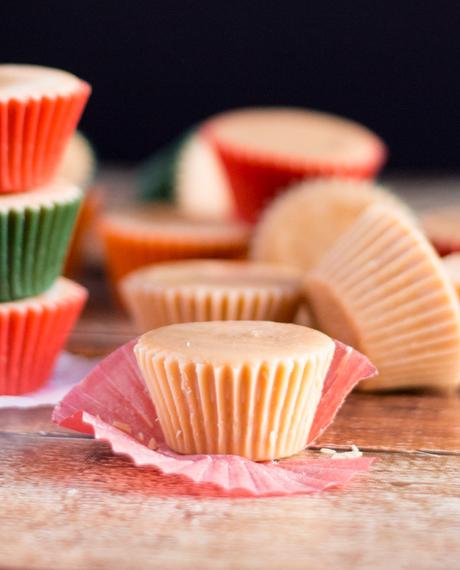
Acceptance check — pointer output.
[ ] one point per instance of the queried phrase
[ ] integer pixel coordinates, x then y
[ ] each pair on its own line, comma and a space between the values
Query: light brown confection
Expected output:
210, 290
305, 221
383, 290
202, 190
247, 388
78, 163
298, 136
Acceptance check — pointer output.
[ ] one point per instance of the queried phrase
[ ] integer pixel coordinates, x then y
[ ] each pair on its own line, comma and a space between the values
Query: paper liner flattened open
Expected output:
113, 403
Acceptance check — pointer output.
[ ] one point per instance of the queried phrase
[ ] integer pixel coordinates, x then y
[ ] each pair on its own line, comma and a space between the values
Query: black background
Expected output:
158, 67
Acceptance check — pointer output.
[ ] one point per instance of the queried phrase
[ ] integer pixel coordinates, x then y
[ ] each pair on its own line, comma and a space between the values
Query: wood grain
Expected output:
71, 504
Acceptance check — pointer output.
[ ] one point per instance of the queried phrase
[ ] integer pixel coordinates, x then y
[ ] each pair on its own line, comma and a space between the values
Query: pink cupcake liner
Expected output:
113, 403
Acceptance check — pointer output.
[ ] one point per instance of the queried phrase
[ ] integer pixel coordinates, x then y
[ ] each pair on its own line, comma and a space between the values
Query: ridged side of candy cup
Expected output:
303, 222
39, 110
235, 387
32, 333
142, 235
188, 291
35, 230
383, 289
265, 149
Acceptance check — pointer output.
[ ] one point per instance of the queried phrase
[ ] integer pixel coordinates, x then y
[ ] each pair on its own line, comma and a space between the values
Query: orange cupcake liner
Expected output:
32, 333
34, 134
127, 251
256, 179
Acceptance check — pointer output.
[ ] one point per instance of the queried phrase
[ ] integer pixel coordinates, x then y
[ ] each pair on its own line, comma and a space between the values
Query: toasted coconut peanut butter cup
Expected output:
265, 149
304, 222
382, 289
210, 290
248, 388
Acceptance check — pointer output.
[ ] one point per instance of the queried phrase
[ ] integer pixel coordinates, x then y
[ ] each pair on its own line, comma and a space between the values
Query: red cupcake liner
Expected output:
32, 333
441, 228
33, 136
445, 247
113, 403
256, 179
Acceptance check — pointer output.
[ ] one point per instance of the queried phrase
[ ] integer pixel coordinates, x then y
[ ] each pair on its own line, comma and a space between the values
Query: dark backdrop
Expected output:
159, 66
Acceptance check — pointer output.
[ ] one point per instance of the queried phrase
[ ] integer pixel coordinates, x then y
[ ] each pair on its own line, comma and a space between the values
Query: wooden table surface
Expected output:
67, 502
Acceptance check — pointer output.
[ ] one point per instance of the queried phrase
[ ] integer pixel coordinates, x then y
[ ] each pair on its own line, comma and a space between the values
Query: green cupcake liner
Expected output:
157, 175
33, 246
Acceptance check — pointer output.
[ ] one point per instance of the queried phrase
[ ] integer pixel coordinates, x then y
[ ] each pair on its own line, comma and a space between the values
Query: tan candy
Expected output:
202, 189
78, 163
298, 135
383, 289
235, 387
306, 220
187, 291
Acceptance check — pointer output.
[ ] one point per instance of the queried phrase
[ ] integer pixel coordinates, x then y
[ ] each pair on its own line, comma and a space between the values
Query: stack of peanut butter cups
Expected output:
39, 111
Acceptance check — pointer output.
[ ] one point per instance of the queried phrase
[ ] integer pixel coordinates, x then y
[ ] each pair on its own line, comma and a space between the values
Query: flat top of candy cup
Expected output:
166, 221
236, 343
57, 192
225, 274
442, 223
303, 222
62, 289
21, 82
297, 134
